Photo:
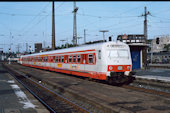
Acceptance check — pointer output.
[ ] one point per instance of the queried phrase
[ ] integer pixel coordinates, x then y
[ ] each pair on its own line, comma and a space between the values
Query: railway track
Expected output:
143, 88
54, 102
152, 91
130, 86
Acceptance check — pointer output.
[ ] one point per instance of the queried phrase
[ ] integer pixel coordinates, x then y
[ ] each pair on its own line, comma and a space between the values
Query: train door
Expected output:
84, 60
45, 61
52, 61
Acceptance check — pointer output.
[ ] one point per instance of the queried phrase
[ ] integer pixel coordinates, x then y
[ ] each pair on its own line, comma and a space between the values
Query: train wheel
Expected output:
110, 81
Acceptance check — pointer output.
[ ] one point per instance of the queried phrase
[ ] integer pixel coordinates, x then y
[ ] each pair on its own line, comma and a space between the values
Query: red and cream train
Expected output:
110, 61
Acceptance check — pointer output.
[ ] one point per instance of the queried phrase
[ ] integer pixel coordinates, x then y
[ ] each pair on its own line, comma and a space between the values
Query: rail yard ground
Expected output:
98, 97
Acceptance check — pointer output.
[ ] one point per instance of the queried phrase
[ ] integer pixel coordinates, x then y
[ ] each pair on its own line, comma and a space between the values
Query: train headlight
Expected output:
128, 67
119, 68
110, 67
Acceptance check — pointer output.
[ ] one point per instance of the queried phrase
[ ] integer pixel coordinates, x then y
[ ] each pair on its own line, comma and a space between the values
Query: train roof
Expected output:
78, 48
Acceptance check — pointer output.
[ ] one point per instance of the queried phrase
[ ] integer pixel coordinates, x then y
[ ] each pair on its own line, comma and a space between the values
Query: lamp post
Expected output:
62, 41
79, 38
9, 56
103, 33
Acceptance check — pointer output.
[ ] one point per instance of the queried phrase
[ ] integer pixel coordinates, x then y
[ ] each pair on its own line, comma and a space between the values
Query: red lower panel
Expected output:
95, 75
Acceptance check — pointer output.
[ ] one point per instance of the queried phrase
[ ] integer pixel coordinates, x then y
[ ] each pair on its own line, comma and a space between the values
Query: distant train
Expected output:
110, 61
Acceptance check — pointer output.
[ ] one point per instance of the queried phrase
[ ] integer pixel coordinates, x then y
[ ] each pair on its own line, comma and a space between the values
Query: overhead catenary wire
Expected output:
41, 19
106, 16
111, 26
160, 17
29, 23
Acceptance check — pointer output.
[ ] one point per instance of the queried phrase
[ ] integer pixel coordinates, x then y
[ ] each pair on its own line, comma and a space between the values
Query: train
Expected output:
106, 61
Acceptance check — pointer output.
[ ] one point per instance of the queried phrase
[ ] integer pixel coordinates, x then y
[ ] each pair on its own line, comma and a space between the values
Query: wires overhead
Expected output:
29, 23
106, 16
42, 18
161, 17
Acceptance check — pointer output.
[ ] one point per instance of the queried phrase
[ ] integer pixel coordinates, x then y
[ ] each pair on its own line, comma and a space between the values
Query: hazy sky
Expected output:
31, 22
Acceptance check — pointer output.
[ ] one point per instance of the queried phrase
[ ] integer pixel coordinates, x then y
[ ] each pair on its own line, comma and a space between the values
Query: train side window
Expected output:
66, 58
56, 58
70, 58
59, 59
78, 58
62, 58
99, 54
90, 58
51, 59
45, 59
74, 58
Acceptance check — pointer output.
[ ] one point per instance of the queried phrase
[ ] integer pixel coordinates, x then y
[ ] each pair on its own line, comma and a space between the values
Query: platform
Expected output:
155, 74
14, 98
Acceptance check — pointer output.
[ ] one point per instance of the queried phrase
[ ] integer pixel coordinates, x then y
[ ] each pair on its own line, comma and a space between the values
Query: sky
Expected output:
31, 22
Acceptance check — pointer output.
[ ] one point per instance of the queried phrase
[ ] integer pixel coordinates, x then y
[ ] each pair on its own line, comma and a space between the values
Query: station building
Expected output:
138, 47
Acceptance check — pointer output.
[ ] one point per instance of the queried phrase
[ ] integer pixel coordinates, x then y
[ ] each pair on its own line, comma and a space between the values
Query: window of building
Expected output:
90, 58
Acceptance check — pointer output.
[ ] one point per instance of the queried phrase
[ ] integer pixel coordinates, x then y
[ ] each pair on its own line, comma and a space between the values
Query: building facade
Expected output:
138, 47
38, 47
161, 57
163, 40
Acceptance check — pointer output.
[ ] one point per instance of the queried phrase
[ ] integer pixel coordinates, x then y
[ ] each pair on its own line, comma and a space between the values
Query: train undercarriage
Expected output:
118, 78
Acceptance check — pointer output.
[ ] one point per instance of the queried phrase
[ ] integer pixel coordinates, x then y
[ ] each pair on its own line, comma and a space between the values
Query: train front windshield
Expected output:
118, 53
